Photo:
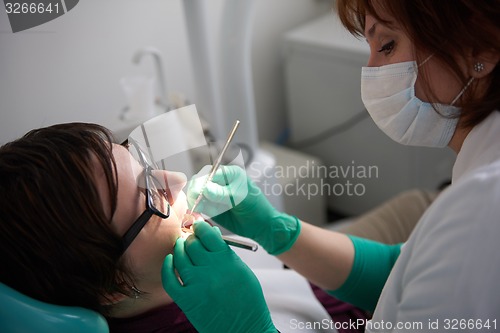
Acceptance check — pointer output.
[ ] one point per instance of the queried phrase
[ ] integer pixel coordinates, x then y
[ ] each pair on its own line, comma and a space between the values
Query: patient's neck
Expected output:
130, 307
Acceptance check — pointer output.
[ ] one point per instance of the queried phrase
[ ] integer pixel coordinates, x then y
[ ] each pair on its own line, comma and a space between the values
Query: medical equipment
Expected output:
189, 218
160, 77
241, 244
215, 166
223, 82
228, 239
222, 68
21, 313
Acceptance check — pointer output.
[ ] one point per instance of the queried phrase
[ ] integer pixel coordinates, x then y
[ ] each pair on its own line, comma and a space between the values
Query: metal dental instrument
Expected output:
215, 166
231, 241
241, 244
189, 216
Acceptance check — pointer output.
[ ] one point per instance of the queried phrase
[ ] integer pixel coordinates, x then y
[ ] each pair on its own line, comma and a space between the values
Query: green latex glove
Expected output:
219, 292
236, 203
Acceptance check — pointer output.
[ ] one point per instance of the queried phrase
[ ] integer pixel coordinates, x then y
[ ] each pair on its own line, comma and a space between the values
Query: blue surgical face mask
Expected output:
388, 93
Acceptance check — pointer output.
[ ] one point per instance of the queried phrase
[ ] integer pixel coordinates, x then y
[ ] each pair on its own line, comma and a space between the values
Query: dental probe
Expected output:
241, 244
215, 166
231, 241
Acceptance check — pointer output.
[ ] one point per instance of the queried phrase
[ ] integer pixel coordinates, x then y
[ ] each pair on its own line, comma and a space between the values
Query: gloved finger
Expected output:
209, 236
215, 200
229, 173
198, 254
181, 260
205, 209
216, 193
196, 182
227, 197
204, 171
169, 279
194, 187
214, 205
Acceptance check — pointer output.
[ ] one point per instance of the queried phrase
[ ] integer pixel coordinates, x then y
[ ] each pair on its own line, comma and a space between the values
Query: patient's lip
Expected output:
189, 218
187, 223
187, 228
185, 232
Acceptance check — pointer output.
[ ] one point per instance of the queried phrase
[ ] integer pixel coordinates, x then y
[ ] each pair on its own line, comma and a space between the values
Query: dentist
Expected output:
432, 80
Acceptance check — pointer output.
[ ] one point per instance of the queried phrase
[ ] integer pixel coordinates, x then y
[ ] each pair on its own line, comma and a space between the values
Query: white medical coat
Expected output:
447, 277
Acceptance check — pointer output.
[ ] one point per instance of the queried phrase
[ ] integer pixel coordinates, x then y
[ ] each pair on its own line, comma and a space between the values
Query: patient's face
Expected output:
148, 250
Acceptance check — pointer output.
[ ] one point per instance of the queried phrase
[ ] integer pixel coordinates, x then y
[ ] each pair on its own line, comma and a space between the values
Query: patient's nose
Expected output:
173, 182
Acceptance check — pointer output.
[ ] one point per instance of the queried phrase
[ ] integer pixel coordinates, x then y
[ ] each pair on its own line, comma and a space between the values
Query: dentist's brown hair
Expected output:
451, 31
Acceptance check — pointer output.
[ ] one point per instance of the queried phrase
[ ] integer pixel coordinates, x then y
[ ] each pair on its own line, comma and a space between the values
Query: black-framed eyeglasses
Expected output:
157, 202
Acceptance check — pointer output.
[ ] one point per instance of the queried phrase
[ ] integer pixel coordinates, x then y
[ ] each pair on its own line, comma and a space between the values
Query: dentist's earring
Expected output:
478, 66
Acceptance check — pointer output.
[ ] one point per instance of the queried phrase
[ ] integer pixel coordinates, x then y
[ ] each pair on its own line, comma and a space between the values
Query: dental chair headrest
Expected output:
20, 313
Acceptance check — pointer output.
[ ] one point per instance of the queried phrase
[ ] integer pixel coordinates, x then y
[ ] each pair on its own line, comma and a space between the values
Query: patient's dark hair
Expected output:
56, 242
446, 29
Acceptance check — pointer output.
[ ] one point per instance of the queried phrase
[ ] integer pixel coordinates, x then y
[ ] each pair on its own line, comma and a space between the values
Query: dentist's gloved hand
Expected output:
219, 292
253, 216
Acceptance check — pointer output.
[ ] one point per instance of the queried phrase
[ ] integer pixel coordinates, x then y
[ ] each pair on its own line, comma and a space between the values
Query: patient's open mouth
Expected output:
187, 223
189, 218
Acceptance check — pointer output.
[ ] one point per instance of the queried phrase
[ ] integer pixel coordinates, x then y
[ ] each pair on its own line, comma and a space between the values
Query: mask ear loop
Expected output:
462, 91
425, 60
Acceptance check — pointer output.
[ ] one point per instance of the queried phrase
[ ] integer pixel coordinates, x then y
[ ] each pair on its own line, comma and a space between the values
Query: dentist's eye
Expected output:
387, 48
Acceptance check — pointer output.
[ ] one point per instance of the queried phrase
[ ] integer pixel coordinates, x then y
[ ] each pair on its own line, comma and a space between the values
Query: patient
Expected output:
68, 197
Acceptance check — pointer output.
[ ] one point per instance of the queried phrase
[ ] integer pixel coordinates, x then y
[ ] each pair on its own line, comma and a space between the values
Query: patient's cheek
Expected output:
180, 205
